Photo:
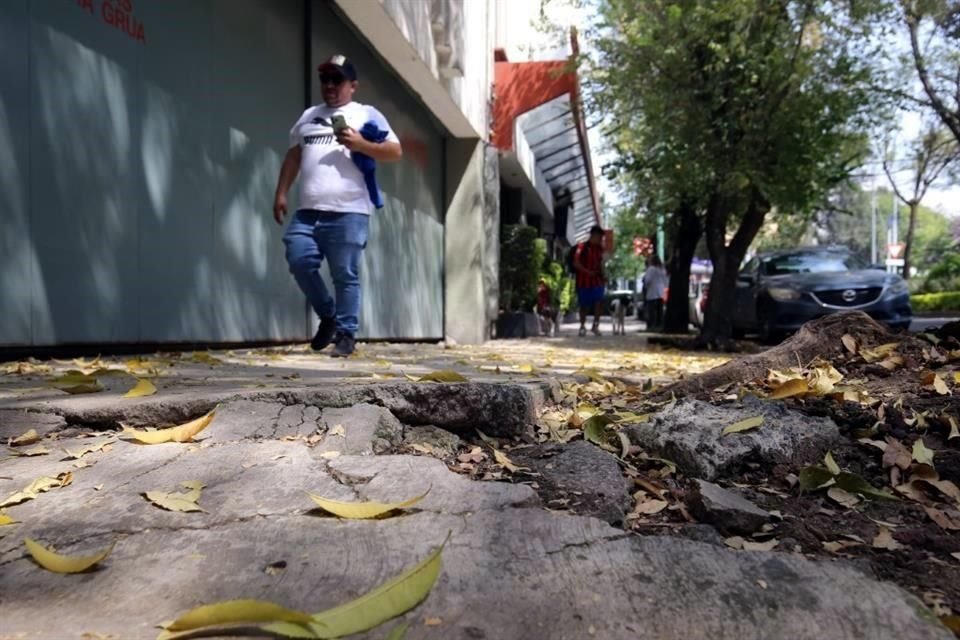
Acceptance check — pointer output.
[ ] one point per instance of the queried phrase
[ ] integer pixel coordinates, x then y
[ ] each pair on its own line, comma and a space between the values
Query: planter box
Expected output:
518, 325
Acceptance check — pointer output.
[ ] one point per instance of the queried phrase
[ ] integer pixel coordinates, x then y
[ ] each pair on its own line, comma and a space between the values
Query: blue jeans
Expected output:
341, 239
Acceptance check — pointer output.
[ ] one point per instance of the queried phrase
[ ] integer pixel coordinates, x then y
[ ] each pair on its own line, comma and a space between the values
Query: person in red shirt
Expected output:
588, 265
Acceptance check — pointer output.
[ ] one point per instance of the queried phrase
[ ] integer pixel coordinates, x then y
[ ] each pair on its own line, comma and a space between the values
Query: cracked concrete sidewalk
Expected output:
512, 570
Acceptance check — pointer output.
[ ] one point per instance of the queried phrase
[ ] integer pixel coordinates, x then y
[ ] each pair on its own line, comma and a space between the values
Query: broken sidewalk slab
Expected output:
690, 434
728, 512
363, 429
432, 440
578, 476
533, 574
498, 409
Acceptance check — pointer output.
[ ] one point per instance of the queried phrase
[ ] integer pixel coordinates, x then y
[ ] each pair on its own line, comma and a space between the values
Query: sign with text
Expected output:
118, 14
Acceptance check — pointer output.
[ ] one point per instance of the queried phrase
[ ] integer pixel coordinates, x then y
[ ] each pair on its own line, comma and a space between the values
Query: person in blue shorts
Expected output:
588, 264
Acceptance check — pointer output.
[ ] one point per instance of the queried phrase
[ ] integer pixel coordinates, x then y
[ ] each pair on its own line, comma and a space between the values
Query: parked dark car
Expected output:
778, 292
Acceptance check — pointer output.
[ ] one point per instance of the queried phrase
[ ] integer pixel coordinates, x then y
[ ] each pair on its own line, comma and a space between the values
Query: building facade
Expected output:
140, 142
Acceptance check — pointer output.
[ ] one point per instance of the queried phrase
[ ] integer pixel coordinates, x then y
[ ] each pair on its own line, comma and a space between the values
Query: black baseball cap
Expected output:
339, 64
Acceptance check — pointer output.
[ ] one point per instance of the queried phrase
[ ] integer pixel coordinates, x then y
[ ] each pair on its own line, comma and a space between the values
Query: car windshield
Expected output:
813, 262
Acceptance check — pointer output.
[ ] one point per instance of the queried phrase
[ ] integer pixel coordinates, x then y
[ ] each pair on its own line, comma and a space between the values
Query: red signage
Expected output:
118, 14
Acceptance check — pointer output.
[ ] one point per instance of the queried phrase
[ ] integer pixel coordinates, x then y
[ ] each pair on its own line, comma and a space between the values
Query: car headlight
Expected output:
898, 288
783, 294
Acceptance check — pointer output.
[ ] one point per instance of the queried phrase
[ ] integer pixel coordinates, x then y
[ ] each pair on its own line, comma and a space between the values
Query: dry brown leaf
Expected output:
843, 498
38, 486
946, 520
884, 540
29, 437
186, 501
892, 363
897, 455
840, 545
850, 343
338, 430
182, 433
769, 545
651, 507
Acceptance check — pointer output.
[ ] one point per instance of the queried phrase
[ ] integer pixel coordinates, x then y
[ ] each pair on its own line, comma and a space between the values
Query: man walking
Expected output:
588, 265
335, 200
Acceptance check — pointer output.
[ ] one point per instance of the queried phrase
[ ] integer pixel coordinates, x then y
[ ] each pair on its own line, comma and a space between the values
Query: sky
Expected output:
942, 197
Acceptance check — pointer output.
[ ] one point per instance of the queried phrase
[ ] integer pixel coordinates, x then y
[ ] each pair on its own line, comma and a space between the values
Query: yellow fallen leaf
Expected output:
822, 378
80, 389
879, 353
440, 376
35, 488
506, 462
76, 454
743, 425
527, 368
205, 358
330, 455
186, 502
58, 563
387, 601
362, 510
6, 519
72, 379
236, 611
831, 464
849, 342
790, 389
182, 433
921, 453
432, 621
775, 378
141, 389
338, 430
29, 437
30, 452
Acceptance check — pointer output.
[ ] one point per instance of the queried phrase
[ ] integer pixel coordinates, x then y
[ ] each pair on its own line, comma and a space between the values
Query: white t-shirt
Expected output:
655, 281
329, 181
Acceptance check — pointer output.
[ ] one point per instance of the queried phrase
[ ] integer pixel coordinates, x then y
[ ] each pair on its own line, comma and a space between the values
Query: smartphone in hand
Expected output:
339, 123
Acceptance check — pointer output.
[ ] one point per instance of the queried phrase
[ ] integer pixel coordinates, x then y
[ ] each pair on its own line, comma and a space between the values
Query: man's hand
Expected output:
351, 139
280, 208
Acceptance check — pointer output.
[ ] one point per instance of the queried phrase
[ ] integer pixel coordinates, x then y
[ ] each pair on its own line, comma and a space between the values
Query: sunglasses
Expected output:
335, 80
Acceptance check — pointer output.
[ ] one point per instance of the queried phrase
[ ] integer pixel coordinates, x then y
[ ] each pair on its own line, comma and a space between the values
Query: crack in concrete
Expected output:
588, 543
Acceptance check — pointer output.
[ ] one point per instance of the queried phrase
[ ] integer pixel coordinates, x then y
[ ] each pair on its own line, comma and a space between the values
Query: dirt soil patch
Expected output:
886, 498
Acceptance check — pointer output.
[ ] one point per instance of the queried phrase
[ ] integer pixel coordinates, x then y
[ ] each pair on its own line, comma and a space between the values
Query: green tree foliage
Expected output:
522, 256
628, 223
736, 108
934, 30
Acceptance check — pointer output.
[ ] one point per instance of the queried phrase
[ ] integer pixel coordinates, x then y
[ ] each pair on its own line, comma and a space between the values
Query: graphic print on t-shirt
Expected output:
329, 180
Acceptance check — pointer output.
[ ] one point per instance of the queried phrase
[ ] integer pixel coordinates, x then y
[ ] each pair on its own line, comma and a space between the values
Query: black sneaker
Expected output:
346, 345
324, 335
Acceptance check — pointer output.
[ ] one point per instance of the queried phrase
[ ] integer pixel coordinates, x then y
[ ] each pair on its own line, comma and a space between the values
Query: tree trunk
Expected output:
717, 324
688, 232
908, 241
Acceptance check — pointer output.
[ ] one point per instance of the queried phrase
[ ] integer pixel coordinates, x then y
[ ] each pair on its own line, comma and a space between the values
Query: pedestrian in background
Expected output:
334, 147
655, 281
588, 265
